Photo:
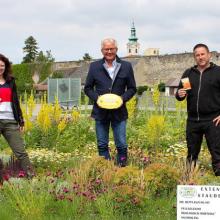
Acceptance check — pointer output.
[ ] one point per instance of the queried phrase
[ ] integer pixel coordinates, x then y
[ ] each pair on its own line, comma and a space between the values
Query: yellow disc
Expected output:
109, 101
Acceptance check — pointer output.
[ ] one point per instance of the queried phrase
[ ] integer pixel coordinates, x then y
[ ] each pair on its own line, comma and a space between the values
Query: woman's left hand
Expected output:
21, 128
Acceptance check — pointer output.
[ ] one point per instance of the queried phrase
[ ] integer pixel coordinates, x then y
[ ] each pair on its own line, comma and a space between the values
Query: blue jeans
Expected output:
119, 133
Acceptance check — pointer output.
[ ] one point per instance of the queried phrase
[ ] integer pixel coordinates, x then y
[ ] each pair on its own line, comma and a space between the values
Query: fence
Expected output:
67, 90
165, 102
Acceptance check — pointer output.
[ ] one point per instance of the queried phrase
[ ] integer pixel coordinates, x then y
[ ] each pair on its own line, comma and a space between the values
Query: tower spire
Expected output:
133, 45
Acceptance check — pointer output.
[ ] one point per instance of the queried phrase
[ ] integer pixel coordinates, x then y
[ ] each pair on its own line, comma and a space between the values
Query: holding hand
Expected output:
217, 120
182, 93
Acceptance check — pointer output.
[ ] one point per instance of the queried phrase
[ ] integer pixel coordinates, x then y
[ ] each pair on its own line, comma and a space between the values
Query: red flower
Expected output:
21, 174
6, 177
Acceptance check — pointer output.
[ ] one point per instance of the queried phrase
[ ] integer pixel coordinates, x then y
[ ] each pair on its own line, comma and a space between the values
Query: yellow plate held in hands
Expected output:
109, 101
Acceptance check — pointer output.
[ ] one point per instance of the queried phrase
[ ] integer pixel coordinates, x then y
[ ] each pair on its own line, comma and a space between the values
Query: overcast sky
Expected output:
71, 28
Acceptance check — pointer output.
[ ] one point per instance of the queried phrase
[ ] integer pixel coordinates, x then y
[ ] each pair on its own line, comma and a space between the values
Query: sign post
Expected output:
201, 202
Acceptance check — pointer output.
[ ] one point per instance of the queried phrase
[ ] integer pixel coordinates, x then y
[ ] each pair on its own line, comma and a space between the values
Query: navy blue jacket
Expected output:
98, 82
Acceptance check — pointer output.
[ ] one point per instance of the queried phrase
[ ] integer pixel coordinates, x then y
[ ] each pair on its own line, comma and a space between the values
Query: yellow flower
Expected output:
75, 115
156, 96
131, 106
43, 118
62, 124
57, 110
155, 129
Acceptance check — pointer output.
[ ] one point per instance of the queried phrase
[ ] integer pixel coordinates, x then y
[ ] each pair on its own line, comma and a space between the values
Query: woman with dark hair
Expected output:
11, 119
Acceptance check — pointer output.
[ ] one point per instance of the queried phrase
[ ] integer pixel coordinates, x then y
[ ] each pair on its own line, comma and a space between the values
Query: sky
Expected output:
71, 28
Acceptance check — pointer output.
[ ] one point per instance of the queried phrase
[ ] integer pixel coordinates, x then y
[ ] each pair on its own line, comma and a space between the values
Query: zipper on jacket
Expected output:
197, 104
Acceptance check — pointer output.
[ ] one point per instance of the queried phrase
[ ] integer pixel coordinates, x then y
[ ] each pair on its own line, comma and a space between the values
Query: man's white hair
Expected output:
111, 40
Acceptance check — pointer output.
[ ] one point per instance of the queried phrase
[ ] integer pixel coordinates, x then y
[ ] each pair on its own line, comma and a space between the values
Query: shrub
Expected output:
76, 135
161, 179
128, 175
141, 89
127, 199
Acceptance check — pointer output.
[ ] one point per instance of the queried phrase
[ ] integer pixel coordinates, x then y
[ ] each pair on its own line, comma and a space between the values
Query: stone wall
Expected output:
148, 70
154, 69
65, 65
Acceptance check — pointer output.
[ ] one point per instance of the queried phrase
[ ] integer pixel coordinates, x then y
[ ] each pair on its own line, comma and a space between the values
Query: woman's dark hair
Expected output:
200, 45
8, 71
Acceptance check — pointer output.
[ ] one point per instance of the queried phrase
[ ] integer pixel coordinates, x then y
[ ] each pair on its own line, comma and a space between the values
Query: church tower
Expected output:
133, 46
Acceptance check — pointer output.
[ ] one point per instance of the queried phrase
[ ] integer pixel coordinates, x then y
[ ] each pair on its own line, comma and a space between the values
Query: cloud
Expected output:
70, 28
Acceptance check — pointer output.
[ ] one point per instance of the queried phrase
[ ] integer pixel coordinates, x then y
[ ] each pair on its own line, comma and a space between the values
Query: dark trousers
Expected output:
194, 135
10, 131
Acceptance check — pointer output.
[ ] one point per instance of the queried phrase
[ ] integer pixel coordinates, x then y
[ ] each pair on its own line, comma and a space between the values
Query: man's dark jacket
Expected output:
98, 82
203, 100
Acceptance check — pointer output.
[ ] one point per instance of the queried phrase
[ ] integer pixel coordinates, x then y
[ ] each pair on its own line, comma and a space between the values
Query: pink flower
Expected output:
65, 190
123, 158
146, 159
98, 181
21, 174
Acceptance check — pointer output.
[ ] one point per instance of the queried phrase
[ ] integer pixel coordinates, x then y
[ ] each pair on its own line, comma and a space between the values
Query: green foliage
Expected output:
31, 50
136, 132
87, 57
44, 69
155, 129
42, 58
83, 98
36, 62
98, 167
57, 74
130, 175
128, 200
161, 179
85, 186
76, 136
156, 97
161, 208
38, 138
28, 200
161, 87
141, 89
23, 75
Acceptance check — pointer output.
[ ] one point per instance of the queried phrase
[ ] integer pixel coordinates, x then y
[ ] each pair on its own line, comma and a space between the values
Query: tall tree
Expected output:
31, 50
87, 57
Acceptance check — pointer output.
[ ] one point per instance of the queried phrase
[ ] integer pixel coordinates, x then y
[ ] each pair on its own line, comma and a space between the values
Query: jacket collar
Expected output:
210, 66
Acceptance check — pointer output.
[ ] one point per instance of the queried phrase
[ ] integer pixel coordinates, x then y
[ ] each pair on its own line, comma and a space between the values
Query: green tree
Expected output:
161, 87
141, 89
87, 57
30, 49
22, 73
42, 58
